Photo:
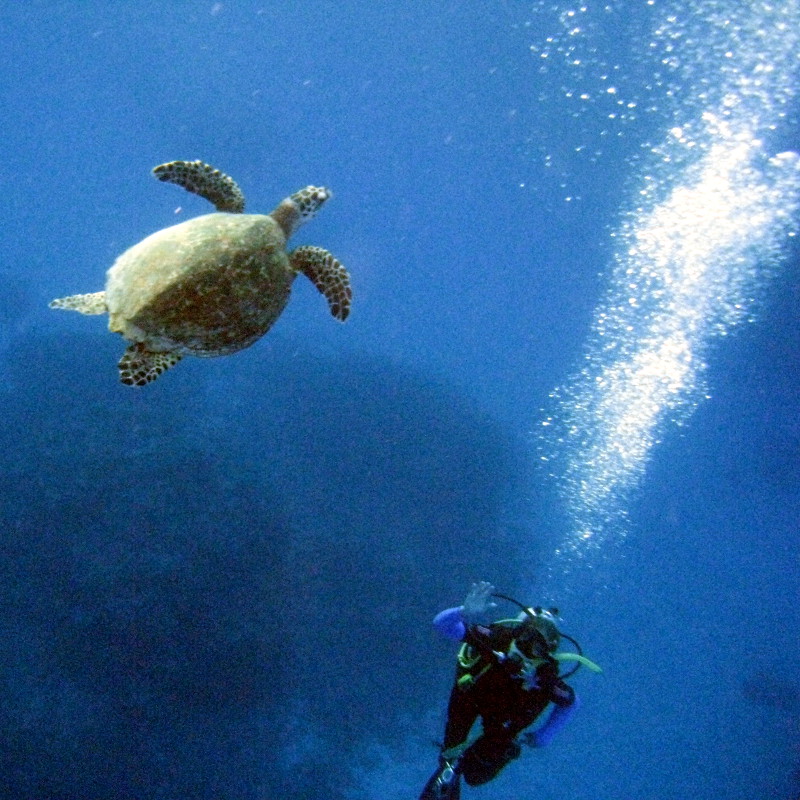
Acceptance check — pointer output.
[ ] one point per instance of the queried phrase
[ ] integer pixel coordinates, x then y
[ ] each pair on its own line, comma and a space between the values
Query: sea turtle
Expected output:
211, 285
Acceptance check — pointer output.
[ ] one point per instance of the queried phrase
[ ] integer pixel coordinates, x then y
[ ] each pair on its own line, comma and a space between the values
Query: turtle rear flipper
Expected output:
327, 274
140, 366
93, 303
200, 178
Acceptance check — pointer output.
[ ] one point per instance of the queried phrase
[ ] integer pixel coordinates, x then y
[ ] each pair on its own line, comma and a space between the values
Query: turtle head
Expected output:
300, 207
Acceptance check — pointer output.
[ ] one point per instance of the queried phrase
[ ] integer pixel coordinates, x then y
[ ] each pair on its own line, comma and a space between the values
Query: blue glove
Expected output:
555, 722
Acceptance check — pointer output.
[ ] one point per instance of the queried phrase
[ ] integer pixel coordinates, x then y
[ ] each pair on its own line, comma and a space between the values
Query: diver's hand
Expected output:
530, 680
478, 601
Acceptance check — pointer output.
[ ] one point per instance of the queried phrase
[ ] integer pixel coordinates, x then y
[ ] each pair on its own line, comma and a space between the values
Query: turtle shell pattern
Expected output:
209, 286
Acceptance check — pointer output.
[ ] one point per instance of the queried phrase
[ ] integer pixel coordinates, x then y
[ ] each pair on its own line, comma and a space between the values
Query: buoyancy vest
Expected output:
486, 647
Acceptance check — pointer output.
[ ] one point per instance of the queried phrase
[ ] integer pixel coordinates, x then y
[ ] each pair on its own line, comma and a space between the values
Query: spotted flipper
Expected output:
327, 274
200, 178
139, 366
94, 303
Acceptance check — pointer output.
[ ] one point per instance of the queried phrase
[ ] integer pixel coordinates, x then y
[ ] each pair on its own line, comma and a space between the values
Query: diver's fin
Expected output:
444, 784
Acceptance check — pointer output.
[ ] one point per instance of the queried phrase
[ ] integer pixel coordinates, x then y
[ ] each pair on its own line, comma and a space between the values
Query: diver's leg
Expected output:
461, 716
486, 756
445, 783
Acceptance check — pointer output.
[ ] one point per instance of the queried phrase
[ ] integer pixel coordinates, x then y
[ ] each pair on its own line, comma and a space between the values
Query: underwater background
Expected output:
571, 369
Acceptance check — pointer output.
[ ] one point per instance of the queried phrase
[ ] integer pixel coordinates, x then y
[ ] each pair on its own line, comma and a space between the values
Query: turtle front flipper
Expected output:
93, 303
200, 178
327, 274
140, 366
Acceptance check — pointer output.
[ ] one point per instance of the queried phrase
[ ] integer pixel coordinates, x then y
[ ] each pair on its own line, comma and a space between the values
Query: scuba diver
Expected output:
507, 674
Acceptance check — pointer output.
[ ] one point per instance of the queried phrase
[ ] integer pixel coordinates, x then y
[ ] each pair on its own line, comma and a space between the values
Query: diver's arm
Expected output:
563, 709
453, 622
450, 623
478, 601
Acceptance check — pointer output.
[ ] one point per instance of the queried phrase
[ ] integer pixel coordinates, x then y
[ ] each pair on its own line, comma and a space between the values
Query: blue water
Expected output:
571, 369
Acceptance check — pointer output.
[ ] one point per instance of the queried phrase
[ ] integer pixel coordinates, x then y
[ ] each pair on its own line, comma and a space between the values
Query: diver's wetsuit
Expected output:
500, 698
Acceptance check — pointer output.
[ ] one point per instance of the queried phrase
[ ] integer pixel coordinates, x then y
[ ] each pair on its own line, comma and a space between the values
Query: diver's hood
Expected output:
539, 632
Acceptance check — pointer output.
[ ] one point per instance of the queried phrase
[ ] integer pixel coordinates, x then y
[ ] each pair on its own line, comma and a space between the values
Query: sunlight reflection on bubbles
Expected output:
712, 216
576, 51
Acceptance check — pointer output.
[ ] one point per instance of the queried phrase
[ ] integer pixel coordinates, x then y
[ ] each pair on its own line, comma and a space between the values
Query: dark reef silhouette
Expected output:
204, 590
